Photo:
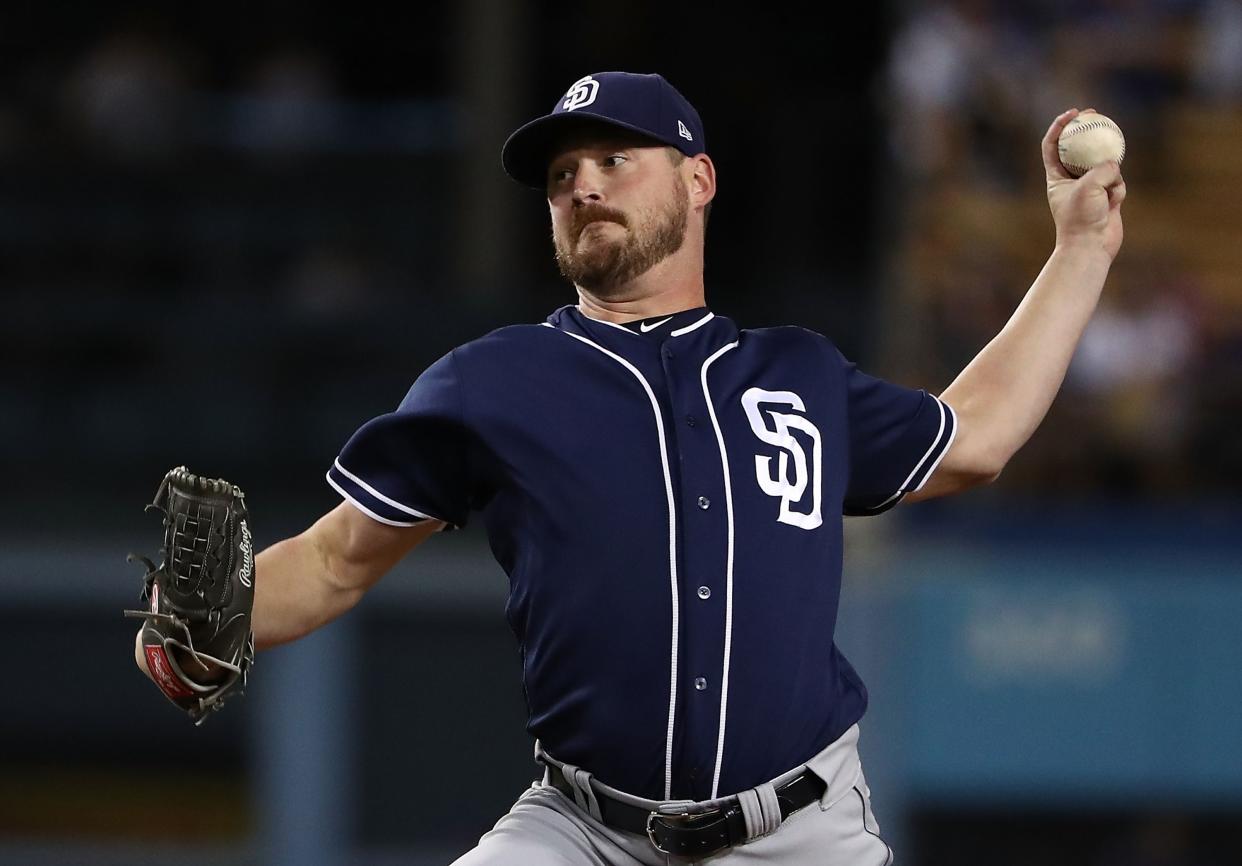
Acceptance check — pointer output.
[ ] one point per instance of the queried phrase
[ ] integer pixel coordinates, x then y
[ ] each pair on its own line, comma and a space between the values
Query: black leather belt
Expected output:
698, 835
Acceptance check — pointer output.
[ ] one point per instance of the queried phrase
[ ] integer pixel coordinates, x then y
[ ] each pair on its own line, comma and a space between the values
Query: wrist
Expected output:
1084, 247
1082, 242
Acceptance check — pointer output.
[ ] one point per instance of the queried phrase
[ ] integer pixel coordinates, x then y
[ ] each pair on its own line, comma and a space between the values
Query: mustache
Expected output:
597, 213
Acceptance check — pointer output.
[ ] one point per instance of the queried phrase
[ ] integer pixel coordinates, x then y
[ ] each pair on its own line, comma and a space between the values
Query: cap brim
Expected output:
525, 155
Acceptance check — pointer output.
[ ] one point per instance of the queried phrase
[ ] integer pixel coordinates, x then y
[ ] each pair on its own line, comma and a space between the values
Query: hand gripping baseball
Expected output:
1087, 209
198, 602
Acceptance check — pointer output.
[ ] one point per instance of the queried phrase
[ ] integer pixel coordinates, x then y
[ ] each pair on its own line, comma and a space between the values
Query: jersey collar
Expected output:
654, 327
671, 325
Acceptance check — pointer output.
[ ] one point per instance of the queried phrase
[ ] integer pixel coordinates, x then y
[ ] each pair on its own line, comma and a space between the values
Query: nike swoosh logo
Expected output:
644, 327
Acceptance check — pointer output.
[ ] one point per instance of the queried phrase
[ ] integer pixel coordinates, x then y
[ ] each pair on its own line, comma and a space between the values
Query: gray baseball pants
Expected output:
547, 828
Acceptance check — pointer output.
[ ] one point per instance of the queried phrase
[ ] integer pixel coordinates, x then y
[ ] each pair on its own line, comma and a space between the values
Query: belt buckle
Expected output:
682, 813
651, 832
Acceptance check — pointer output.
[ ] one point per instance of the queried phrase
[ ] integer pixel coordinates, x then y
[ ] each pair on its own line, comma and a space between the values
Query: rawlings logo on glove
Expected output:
197, 634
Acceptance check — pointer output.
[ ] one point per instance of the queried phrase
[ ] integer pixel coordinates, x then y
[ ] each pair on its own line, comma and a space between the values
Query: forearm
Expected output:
309, 580
296, 591
1005, 392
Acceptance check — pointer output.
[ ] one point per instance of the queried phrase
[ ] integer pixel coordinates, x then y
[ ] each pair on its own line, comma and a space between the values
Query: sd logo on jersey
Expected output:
790, 490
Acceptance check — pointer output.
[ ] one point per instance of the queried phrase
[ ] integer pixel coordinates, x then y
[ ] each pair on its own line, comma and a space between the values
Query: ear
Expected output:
701, 181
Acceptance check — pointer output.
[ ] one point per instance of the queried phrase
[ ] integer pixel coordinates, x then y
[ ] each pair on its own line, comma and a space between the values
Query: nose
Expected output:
587, 183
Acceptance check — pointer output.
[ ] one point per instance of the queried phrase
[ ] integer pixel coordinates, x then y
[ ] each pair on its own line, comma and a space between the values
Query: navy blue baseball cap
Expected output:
646, 104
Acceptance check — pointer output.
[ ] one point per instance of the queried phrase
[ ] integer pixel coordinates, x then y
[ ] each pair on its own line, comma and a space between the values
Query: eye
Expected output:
615, 159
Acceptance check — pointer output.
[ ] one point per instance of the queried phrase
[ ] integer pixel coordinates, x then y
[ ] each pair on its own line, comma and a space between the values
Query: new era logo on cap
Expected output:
646, 104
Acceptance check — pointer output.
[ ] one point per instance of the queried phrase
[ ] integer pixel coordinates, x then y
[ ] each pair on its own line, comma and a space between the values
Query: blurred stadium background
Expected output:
231, 233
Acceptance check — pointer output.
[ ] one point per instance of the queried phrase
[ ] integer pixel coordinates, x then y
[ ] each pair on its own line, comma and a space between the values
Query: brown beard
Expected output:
659, 233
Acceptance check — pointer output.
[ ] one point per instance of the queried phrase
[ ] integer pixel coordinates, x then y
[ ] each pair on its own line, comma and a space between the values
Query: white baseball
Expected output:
1088, 140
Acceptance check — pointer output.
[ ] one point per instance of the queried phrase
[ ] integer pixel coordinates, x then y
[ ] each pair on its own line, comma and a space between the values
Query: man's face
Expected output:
619, 207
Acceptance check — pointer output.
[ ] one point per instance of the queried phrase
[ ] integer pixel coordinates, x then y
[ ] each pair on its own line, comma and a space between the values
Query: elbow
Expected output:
976, 458
972, 478
983, 459
332, 565
991, 465
988, 469
988, 477
980, 471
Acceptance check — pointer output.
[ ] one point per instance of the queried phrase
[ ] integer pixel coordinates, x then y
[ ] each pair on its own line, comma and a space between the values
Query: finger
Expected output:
1116, 195
1106, 174
1052, 161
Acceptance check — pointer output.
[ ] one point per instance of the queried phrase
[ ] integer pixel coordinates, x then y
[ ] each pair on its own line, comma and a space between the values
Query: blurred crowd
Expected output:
150, 184
177, 196
970, 88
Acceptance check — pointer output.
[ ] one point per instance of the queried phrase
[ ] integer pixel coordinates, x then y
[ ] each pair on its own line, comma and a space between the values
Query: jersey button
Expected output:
700, 683
704, 503
705, 592
690, 422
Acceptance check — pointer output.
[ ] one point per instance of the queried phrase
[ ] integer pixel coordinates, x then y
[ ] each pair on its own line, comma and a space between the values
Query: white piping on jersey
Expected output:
381, 497
901, 491
944, 407
368, 512
688, 328
935, 441
672, 548
728, 486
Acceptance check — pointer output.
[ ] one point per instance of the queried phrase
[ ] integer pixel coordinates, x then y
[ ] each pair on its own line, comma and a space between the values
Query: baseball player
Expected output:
665, 492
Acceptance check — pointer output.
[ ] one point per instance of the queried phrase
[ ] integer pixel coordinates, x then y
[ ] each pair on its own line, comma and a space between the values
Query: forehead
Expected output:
597, 136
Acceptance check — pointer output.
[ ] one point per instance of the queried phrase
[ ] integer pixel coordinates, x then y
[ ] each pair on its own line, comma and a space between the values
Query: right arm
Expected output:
310, 579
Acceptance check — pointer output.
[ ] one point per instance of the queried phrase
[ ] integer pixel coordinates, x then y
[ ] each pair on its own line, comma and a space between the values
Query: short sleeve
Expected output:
411, 465
897, 438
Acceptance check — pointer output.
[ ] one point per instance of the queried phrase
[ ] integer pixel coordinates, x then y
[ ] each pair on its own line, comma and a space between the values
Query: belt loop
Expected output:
542, 762
761, 810
580, 780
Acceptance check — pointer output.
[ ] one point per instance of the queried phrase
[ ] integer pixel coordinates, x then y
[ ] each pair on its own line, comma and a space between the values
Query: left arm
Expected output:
1005, 392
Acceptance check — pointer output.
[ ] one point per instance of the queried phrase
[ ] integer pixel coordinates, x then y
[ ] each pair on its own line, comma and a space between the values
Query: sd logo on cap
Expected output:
645, 104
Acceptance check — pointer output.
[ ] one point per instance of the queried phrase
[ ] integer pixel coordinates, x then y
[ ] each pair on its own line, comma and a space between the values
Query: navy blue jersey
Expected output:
666, 499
